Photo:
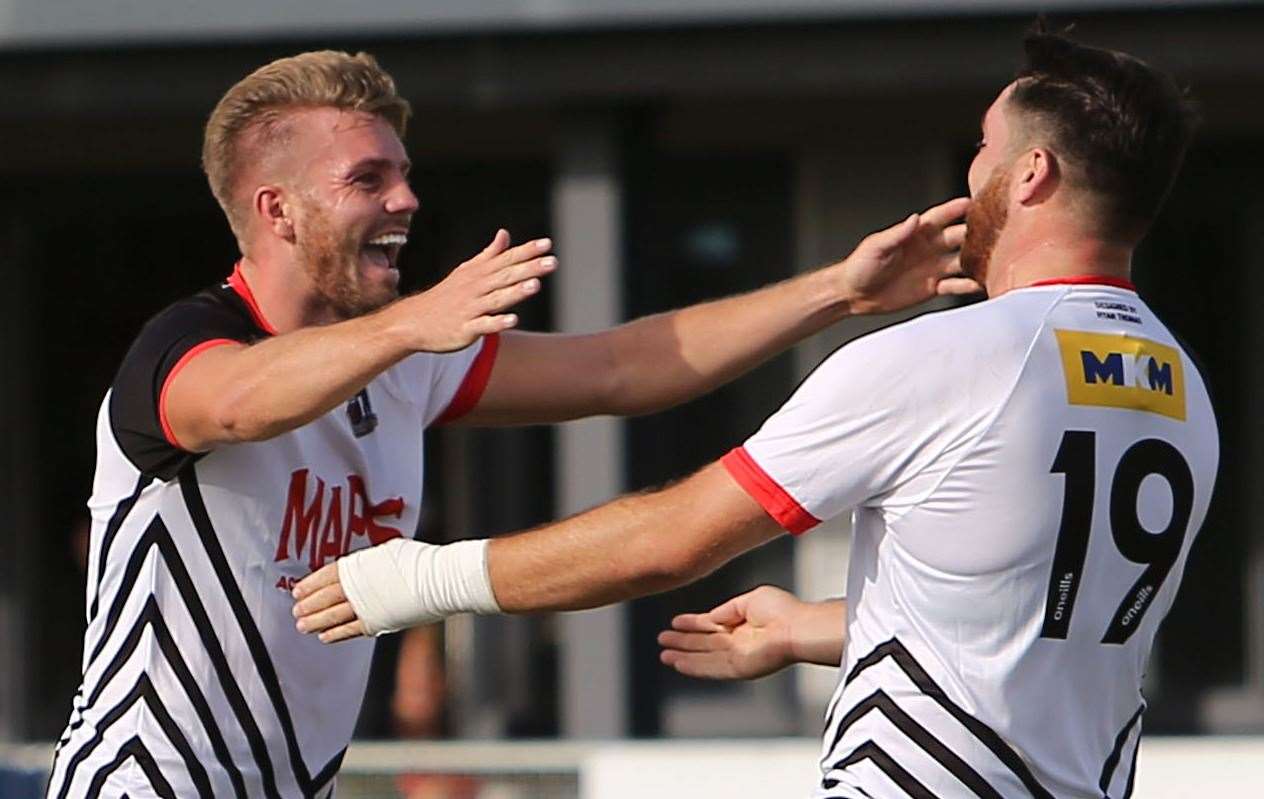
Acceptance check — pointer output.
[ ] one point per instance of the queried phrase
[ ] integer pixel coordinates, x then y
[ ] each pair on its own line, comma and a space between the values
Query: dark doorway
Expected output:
702, 227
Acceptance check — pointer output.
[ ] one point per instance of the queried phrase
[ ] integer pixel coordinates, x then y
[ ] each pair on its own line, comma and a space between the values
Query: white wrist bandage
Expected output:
404, 583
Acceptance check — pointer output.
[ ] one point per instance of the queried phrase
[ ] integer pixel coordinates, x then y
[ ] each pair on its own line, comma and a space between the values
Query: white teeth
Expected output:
388, 239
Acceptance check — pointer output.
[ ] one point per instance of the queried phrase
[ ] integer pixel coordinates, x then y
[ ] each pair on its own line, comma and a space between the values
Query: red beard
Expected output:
984, 222
333, 263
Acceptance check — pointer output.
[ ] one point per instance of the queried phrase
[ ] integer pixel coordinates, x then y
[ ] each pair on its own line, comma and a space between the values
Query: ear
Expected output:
1036, 175
273, 212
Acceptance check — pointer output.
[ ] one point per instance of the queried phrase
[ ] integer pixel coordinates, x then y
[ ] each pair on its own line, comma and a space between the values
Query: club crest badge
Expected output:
360, 412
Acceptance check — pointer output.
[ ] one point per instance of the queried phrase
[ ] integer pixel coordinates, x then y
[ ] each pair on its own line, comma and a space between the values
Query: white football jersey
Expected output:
1027, 476
195, 681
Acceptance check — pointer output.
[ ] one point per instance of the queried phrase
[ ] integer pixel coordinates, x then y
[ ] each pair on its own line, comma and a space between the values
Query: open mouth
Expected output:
383, 250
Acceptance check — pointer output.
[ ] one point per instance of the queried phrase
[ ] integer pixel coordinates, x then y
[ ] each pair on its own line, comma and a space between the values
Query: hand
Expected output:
322, 607
909, 263
467, 304
747, 637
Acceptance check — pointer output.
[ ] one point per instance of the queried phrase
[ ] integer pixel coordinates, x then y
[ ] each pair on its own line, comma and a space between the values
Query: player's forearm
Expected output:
636, 545
285, 382
668, 358
288, 381
602, 556
818, 632
630, 547
605, 555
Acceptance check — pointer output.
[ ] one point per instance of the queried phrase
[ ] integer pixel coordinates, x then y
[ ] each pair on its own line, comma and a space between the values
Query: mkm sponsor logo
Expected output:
1118, 371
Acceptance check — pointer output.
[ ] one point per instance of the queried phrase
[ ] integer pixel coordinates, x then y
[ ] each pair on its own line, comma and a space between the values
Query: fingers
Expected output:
954, 236
946, 213
707, 666
939, 217
500, 299
343, 632
894, 236
330, 617
326, 575
958, 286
511, 277
324, 597
516, 284
519, 272
523, 252
692, 642
487, 325
731, 613
696, 623
497, 245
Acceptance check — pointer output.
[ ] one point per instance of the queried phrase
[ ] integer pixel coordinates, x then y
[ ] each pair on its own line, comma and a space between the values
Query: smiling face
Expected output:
350, 206
989, 179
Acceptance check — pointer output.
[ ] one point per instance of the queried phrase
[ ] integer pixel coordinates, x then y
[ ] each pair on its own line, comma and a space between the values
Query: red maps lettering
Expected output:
322, 528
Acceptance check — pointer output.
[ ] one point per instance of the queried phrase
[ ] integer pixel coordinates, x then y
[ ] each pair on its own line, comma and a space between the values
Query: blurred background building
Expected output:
676, 150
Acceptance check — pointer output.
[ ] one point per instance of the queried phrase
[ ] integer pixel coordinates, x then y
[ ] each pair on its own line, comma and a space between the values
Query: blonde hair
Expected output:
257, 106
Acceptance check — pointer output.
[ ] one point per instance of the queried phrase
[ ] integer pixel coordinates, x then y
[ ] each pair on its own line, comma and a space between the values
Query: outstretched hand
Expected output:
470, 302
909, 262
747, 637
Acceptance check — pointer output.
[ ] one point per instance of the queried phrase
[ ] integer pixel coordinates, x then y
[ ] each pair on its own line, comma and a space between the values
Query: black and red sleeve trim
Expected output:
168, 342
167, 432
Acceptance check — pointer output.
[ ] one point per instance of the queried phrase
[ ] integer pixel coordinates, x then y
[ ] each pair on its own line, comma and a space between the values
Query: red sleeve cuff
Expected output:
472, 387
763, 489
166, 384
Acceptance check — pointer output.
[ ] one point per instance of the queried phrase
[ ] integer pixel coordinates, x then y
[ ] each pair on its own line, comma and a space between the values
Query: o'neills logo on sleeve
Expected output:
321, 521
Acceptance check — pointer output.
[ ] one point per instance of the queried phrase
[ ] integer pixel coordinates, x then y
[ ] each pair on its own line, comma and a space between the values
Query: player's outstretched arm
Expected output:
636, 545
661, 360
755, 634
248, 393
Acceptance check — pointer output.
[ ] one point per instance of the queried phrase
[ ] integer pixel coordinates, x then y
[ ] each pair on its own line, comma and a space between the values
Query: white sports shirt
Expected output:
1027, 476
195, 681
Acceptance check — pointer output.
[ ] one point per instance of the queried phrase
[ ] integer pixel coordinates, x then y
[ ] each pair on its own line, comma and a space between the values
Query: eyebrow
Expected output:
380, 163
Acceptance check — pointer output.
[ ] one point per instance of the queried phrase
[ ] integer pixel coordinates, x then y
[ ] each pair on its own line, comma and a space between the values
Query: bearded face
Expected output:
352, 275
984, 222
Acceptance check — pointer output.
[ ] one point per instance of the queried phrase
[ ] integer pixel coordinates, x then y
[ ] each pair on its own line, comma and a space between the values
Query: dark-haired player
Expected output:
1026, 475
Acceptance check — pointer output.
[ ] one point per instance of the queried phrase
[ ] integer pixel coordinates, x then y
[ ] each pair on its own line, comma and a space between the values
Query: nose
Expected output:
402, 200
972, 176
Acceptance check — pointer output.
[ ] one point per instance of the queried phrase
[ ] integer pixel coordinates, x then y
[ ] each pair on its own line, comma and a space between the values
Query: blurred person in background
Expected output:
421, 684
414, 673
273, 423
418, 710
1026, 477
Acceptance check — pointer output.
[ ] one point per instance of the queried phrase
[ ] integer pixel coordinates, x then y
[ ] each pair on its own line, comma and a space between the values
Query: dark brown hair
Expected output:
1122, 125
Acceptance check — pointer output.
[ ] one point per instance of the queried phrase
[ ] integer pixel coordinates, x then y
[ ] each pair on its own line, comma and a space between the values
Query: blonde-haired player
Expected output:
274, 423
